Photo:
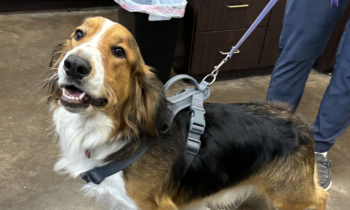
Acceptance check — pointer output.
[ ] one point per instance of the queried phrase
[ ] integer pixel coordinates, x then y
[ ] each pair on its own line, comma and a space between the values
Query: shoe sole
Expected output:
329, 186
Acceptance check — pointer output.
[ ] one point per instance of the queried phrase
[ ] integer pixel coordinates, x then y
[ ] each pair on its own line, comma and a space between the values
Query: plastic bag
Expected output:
163, 8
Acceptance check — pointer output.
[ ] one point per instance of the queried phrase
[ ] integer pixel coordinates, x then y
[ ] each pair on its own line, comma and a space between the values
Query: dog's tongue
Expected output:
74, 92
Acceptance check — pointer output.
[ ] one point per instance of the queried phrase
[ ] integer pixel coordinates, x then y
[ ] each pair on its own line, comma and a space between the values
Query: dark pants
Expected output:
307, 26
157, 42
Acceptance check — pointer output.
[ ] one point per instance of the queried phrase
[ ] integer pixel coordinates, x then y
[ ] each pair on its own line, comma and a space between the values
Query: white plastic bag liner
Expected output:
157, 18
162, 8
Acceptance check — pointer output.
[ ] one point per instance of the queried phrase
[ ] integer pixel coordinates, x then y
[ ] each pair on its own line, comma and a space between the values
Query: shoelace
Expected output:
326, 162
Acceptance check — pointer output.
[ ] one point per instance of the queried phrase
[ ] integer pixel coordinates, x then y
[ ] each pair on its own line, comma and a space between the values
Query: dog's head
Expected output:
100, 69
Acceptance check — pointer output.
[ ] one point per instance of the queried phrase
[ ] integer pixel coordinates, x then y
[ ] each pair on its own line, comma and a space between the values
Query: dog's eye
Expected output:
79, 34
118, 52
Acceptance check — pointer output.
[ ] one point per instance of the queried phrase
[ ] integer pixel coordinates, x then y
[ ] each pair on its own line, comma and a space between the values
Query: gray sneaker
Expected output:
323, 171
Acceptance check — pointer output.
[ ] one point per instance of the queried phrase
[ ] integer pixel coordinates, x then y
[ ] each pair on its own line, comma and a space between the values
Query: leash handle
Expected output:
262, 15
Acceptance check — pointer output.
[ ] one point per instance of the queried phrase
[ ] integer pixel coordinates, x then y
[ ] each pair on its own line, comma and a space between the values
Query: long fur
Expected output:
51, 83
247, 149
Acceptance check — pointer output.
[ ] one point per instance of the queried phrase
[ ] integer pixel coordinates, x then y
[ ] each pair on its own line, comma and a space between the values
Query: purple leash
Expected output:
262, 15
334, 3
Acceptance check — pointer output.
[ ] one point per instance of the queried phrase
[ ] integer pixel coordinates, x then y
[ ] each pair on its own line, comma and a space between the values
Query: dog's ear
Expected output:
140, 110
51, 82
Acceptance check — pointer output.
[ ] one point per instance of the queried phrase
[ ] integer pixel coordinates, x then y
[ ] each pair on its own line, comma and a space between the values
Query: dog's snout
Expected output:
77, 67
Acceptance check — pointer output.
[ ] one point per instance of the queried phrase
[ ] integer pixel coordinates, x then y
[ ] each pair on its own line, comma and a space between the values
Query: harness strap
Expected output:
98, 174
183, 99
196, 129
192, 98
178, 78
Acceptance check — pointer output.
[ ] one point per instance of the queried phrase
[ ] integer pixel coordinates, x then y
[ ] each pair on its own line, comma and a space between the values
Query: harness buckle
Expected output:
93, 176
197, 122
193, 146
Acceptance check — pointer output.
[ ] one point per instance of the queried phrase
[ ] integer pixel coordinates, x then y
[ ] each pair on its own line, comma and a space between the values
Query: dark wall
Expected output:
25, 5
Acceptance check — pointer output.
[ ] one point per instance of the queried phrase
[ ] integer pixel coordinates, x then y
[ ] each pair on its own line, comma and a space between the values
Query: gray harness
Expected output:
192, 98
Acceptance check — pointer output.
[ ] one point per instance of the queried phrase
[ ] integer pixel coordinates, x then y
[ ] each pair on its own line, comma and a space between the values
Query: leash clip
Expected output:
215, 72
262, 15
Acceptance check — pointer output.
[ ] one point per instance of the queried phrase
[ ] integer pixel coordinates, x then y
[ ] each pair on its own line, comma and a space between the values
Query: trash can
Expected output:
156, 38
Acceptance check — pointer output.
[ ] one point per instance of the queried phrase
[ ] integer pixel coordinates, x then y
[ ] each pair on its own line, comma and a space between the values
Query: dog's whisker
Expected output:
109, 89
42, 84
51, 85
53, 77
44, 65
48, 71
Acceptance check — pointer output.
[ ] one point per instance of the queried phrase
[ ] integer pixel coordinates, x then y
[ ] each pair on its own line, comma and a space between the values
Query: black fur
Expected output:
236, 143
238, 140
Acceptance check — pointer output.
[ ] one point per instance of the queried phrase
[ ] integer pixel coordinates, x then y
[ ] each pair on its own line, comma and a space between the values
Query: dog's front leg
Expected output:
166, 204
157, 204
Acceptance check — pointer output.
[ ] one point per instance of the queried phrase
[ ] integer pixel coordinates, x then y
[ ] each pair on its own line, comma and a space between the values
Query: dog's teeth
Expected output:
65, 93
82, 96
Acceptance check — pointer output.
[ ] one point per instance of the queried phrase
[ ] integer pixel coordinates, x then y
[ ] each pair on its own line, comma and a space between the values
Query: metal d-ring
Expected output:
210, 75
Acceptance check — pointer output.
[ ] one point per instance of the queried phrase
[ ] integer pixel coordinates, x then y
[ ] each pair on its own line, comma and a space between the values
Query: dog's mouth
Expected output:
74, 98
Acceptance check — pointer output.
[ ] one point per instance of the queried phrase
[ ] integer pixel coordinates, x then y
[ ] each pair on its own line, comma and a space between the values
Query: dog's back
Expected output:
255, 148
247, 149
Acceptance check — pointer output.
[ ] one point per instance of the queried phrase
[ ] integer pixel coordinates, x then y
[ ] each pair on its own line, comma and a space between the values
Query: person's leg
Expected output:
157, 42
334, 114
307, 27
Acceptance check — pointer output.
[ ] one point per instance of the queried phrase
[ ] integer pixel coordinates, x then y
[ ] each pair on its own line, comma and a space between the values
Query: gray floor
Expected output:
27, 152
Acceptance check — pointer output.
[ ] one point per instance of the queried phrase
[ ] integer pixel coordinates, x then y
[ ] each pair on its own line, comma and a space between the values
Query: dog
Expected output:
107, 103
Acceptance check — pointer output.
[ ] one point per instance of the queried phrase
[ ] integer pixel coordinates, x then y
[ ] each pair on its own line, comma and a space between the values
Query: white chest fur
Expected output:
78, 132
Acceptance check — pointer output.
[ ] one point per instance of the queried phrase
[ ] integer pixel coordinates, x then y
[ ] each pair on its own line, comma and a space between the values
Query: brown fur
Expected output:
132, 82
145, 181
293, 189
128, 82
133, 96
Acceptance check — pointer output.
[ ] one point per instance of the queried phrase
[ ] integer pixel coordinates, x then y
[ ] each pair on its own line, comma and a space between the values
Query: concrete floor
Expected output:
27, 152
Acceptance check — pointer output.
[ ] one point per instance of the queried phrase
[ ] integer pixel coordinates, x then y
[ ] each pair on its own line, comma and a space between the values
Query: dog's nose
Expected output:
77, 67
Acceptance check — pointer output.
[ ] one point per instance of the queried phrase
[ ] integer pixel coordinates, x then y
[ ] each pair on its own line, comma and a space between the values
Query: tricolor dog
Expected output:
107, 105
